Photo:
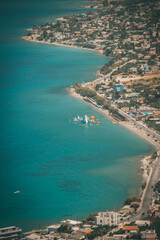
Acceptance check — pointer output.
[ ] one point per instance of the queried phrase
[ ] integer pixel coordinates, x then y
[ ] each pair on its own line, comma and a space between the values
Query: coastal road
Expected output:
102, 79
155, 172
141, 126
137, 124
146, 201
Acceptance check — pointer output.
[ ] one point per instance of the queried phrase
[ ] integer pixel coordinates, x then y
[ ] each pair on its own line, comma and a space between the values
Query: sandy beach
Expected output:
146, 166
28, 38
128, 125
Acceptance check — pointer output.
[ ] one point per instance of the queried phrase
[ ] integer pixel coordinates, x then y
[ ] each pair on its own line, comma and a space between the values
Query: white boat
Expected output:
17, 192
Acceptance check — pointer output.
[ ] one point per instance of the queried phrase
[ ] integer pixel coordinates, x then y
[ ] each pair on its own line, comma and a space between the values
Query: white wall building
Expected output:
53, 228
35, 236
143, 222
107, 218
70, 222
10, 233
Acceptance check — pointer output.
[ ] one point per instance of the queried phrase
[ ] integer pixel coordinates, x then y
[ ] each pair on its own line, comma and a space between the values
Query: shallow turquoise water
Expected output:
62, 169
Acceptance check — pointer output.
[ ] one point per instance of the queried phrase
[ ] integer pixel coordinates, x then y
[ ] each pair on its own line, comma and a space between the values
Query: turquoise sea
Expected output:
63, 170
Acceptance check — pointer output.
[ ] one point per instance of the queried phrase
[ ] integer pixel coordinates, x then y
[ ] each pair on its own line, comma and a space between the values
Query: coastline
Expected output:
59, 44
148, 168
126, 125
145, 166
104, 112
38, 103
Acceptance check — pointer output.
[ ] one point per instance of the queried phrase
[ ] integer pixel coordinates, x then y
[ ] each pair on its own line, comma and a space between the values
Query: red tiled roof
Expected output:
88, 231
130, 228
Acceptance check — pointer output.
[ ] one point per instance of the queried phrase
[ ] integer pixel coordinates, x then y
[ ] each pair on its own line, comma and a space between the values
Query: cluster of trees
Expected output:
132, 103
107, 67
91, 217
125, 69
150, 93
120, 231
64, 229
86, 92
157, 187
99, 231
152, 124
86, 45
131, 199
108, 52
98, 86
154, 155
143, 186
122, 105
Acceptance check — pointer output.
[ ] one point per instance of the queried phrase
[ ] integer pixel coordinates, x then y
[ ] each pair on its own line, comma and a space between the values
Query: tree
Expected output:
99, 231
91, 217
131, 199
100, 100
29, 34
157, 187
64, 229
107, 105
113, 110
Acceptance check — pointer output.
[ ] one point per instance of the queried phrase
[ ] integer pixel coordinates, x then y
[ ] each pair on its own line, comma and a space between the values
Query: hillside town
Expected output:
135, 101
129, 34
121, 30
107, 225
128, 88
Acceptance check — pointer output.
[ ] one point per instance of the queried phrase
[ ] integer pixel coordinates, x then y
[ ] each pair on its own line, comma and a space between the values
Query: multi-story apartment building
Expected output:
108, 218
10, 233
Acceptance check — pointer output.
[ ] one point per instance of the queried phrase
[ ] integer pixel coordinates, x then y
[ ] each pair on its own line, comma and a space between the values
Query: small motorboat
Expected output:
17, 192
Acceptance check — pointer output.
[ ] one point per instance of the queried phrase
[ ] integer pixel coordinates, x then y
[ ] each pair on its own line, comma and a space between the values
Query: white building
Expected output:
107, 218
53, 228
10, 233
142, 223
70, 222
35, 236
149, 235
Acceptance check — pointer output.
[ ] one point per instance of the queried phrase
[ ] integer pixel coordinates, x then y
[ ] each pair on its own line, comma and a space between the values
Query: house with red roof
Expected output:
131, 229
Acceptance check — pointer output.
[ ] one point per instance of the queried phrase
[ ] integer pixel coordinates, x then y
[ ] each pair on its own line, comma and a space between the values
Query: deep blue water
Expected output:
60, 168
